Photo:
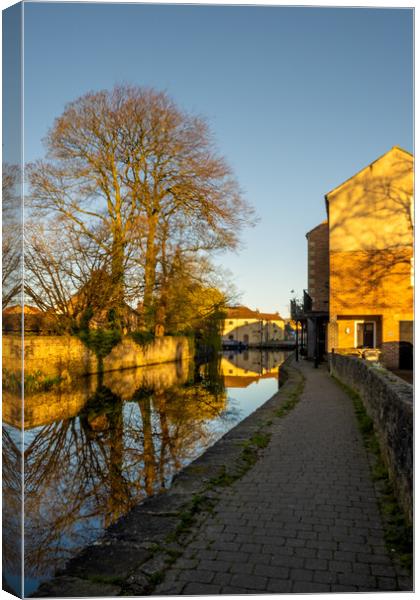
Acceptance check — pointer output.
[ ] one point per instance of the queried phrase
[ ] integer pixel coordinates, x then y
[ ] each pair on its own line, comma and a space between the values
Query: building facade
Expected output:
369, 263
371, 259
243, 326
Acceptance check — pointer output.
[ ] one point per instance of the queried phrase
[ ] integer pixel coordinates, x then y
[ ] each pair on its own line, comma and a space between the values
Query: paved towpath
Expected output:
303, 519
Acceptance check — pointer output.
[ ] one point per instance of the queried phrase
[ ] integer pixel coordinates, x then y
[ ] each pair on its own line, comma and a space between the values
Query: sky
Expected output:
298, 99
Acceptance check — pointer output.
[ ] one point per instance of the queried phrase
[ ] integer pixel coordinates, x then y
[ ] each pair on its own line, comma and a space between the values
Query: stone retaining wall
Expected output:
68, 357
388, 400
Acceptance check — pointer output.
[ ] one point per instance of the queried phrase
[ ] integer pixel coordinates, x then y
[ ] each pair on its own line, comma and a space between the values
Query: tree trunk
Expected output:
150, 272
117, 277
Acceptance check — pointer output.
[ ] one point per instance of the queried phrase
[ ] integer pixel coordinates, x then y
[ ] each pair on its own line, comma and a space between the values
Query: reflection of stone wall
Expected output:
68, 357
66, 400
46, 407
389, 402
157, 377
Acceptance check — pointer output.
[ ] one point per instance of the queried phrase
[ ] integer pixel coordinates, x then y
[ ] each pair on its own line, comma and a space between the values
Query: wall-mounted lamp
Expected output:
347, 330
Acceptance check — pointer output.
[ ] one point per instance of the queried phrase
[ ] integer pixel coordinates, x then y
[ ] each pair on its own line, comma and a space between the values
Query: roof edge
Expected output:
324, 222
364, 169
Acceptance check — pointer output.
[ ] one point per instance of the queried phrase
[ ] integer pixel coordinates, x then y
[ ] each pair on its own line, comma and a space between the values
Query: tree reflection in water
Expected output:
12, 509
84, 472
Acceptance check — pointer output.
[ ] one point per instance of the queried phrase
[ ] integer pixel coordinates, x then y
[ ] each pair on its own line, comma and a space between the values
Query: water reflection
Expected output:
96, 449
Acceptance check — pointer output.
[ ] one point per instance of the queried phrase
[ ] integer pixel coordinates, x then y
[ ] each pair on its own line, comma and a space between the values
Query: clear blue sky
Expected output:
299, 99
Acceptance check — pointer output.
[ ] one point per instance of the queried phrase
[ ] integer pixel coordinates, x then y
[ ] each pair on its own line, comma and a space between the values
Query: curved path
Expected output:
304, 519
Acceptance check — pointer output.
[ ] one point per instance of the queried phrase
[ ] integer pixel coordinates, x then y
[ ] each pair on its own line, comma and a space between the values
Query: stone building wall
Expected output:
389, 402
318, 266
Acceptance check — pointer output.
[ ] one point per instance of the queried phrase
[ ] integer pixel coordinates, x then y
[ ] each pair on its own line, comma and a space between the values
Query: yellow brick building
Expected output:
370, 220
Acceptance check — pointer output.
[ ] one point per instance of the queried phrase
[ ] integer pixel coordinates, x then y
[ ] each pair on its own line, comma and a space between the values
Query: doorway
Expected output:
406, 345
365, 334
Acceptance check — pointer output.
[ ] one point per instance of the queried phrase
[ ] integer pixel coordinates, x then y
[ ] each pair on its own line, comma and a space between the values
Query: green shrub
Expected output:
100, 341
142, 338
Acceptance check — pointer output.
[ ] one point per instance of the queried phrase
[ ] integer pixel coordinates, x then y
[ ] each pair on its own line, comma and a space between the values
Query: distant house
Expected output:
33, 319
360, 264
243, 326
90, 306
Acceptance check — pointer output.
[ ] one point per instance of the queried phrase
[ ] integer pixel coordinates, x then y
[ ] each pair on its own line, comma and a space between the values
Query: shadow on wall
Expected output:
371, 236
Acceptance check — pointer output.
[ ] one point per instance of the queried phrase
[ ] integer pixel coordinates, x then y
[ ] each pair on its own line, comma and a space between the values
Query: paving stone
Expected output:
305, 552
218, 566
187, 563
301, 575
222, 578
305, 587
250, 548
196, 576
201, 589
225, 546
387, 583
357, 579
405, 583
325, 577
328, 554
233, 557
337, 587
272, 571
379, 559
279, 586
316, 563
344, 555
230, 589
250, 582
340, 566
245, 568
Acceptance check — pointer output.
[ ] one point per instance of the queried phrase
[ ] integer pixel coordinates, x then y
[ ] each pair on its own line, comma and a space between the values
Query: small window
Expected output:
230, 322
231, 337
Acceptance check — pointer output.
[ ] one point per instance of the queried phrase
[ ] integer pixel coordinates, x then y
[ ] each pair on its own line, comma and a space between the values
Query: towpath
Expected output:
303, 519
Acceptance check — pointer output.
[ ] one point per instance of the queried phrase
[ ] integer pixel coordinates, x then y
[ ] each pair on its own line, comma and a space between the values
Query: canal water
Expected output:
94, 451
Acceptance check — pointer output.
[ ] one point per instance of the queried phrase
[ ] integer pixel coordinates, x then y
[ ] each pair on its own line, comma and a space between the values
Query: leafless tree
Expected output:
130, 161
12, 234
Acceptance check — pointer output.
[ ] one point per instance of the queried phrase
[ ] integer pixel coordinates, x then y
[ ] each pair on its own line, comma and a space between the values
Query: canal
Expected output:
95, 450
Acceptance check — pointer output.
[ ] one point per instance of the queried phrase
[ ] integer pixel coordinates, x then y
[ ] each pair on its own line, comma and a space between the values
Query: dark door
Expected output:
365, 335
406, 345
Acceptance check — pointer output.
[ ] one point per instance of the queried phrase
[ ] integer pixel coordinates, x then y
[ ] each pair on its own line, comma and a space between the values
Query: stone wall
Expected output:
389, 402
68, 357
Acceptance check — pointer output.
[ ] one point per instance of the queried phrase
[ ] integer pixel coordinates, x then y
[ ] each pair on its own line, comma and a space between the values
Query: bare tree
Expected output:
12, 234
65, 273
130, 161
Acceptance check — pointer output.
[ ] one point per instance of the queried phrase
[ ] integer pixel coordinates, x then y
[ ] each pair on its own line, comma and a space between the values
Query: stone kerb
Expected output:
388, 400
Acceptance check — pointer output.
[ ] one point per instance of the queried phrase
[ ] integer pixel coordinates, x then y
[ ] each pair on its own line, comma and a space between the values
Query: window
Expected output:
230, 322
231, 337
